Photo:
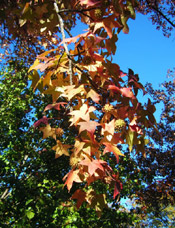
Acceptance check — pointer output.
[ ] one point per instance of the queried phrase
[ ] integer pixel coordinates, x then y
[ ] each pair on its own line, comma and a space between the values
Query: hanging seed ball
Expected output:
87, 60
119, 124
74, 161
59, 132
108, 108
98, 13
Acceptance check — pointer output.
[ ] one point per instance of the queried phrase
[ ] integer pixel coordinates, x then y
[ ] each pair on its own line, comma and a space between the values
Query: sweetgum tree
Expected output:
91, 106
32, 193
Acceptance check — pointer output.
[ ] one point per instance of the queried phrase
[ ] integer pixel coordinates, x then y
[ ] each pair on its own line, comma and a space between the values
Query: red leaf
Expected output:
43, 120
89, 2
117, 188
116, 191
80, 196
55, 106
134, 126
127, 92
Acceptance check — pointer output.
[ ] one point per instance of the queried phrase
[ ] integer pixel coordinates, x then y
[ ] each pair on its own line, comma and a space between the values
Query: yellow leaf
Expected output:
36, 63
48, 131
60, 149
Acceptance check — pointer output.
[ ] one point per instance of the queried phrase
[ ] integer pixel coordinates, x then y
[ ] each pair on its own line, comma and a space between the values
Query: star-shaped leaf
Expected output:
111, 148
48, 131
89, 126
83, 113
60, 149
93, 165
72, 176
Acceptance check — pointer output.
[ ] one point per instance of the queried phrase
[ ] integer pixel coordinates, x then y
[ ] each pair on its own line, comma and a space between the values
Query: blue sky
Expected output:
146, 51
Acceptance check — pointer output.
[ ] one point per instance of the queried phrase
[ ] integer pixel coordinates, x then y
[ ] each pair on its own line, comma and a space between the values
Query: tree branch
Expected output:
63, 36
156, 9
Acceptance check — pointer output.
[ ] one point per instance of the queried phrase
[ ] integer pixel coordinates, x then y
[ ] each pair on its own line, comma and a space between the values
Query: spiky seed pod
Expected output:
74, 160
98, 13
87, 60
59, 132
108, 108
119, 124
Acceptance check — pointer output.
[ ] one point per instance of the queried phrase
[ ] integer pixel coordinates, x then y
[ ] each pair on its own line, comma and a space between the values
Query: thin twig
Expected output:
160, 12
5, 194
63, 36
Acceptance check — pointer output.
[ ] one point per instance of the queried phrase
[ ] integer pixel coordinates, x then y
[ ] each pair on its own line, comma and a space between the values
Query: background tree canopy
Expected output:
76, 141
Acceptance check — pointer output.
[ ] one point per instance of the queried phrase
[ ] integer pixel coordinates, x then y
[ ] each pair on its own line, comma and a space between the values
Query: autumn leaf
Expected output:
94, 96
43, 120
89, 2
71, 91
127, 92
80, 195
34, 65
55, 106
134, 126
117, 188
71, 177
83, 113
48, 131
93, 165
78, 146
108, 127
89, 126
130, 138
60, 149
111, 148
35, 78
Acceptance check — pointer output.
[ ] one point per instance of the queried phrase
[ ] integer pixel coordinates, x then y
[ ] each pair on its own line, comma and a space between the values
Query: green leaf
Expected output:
29, 201
130, 139
30, 214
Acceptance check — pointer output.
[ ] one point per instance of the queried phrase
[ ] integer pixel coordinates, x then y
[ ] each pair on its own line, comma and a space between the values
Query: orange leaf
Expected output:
108, 127
114, 149
89, 126
72, 176
94, 96
93, 165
